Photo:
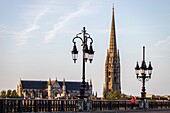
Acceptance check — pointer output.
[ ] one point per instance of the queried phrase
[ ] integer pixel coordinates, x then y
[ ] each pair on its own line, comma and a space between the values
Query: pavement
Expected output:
117, 111
137, 111
143, 112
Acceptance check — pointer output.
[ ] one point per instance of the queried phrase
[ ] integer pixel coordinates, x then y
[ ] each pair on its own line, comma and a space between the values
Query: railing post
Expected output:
49, 106
2, 106
62, 105
100, 105
35, 106
152, 104
19, 105
161, 104
110, 105
92, 104
118, 105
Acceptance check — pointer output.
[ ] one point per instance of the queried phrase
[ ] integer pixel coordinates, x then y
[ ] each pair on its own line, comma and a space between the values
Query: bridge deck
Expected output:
119, 111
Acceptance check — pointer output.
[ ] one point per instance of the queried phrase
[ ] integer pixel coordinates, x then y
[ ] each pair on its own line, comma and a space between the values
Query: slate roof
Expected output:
72, 85
27, 84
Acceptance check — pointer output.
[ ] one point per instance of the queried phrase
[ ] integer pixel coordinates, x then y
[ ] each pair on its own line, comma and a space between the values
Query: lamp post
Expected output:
87, 54
143, 77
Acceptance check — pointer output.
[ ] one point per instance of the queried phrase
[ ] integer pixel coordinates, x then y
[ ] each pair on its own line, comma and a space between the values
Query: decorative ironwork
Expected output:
143, 77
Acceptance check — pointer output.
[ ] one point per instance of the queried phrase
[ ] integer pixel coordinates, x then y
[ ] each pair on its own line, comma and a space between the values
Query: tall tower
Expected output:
112, 64
64, 88
90, 87
49, 89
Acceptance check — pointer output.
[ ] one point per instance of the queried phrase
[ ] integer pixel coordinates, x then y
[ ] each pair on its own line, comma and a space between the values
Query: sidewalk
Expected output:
117, 111
137, 111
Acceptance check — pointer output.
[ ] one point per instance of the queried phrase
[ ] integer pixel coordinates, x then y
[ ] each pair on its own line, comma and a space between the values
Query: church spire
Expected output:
112, 64
113, 47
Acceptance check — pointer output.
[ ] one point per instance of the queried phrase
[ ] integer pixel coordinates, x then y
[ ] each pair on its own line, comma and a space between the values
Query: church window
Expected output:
114, 79
109, 80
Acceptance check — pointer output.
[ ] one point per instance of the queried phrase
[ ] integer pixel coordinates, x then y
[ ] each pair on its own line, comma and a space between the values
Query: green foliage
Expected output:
123, 96
3, 94
113, 95
8, 94
14, 94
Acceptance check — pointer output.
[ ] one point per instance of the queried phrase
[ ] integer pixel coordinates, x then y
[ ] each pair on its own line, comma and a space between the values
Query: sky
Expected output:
36, 41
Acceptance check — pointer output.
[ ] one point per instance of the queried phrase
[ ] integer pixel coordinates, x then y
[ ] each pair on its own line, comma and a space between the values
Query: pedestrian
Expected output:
133, 100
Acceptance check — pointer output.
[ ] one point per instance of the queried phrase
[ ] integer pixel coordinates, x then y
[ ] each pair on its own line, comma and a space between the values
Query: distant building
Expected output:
51, 89
157, 97
112, 64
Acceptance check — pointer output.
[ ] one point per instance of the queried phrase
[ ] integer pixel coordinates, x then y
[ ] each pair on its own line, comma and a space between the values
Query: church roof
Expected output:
72, 85
28, 84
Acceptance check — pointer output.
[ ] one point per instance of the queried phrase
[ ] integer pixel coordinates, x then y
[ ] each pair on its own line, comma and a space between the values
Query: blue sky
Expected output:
36, 41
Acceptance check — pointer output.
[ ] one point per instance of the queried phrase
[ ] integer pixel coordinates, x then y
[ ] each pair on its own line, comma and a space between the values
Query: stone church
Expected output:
112, 64
51, 89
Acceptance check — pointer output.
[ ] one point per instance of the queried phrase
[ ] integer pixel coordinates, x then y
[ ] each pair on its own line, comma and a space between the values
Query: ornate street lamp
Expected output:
143, 77
87, 54
75, 53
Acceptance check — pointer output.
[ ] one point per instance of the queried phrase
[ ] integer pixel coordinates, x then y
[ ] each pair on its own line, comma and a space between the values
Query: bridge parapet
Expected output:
52, 105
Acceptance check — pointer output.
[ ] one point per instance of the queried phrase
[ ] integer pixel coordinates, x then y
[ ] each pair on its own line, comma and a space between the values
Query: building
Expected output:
112, 64
51, 89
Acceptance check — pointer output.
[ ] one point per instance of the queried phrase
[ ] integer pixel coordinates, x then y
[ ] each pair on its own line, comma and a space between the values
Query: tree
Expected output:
113, 95
3, 94
123, 96
14, 94
9, 93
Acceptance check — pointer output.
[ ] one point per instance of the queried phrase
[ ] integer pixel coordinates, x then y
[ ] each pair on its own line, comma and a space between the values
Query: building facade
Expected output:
51, 89
112, 64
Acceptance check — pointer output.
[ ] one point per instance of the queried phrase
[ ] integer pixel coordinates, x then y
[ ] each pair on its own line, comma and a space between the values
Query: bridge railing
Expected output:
112, 105
50, 105
126, 104
37, 105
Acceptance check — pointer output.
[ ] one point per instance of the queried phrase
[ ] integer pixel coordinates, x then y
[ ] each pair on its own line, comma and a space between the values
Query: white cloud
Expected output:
64, 20
24, 35
164, 42
3, 29
5, 32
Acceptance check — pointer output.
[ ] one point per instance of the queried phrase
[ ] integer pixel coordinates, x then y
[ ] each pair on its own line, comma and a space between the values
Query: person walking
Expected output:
133, 101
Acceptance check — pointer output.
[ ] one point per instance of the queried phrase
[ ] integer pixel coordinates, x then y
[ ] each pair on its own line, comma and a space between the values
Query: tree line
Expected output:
114, 95
8, 94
